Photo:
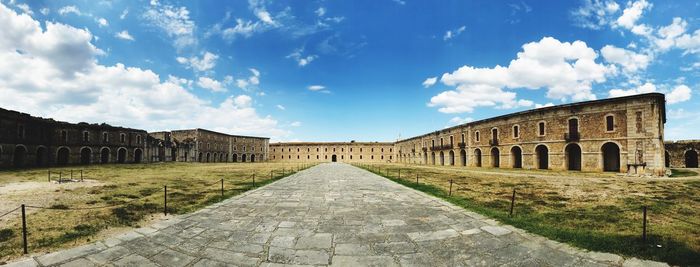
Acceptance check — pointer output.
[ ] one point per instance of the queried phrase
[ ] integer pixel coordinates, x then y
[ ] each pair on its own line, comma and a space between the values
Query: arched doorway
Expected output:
235, 157
173, 154
138, 154
495, 157
667, 159
611, 157
442, 158
477, 156
20, 156
200, 158
573, 157
463, 157
252, 158
516, 157
432, 156
41, 156
121, 155
452, 158
542, 153
85, 154
691, 159
104, 155
334, 158
243, 158
62, 156
208, 157
215, 158
425, 158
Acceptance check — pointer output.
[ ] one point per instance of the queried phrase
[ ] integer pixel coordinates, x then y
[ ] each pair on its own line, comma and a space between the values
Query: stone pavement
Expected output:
332, 214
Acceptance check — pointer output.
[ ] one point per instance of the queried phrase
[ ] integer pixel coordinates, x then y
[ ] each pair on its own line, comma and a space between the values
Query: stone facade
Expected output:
332, 152
682, 154
619, 135
211, 146
27, 141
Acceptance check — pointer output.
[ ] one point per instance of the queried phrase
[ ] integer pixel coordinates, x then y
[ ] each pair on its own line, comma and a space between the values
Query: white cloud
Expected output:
689, 42
316, 87
301, 60
205, 63
453, 33
175, 21
280, 107
25, 8
58, 76
632, 13
265, 17
69, 10
45, 11
550, 104
594, 14
321, 11
124, 13
458, 120
250, 82
429, 82
629, 60
124, 35
243, 101
102, 22
400, 2
567, 70
680, 93
642, 89
295, 124
211, 84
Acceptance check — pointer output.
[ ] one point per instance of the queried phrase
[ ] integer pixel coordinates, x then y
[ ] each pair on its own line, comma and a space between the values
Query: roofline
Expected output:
544, 109
330, 143
78, 124
245, 136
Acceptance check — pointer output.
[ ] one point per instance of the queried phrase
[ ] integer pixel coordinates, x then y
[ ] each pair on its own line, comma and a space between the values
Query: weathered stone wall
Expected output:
682, 154
326, 151
635, 140
211, 146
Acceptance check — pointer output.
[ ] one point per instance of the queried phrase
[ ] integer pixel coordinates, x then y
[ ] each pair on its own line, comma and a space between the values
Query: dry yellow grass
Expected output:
134, 194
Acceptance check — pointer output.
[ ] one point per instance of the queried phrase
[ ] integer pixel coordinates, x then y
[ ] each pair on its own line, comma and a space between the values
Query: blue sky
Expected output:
341, 70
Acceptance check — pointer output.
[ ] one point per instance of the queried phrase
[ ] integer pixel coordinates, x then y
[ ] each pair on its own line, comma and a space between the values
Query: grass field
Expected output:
133, 195
600, 212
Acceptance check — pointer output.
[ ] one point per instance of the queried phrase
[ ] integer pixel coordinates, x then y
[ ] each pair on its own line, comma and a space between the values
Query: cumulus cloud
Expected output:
250, 82
204, 63
69, 10
316, 87
124, 35
629, 60
642, 89
680, 93
566, 70
429, 82
301, 60
631, 14
321, 11
295, 124
175, 21
211, 84
459, 120
280, 107
102, 22
594, 14
35, 81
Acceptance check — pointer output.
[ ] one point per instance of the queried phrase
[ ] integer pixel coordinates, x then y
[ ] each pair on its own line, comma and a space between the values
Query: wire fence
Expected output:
642, 212
221, 190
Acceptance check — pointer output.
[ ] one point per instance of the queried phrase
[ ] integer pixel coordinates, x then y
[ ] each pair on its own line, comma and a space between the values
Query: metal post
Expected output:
512, 203
24, 230
165, 200
222, 187
644, 224
450, 194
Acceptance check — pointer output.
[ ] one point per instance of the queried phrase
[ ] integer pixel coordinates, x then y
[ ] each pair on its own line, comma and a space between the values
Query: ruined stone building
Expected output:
332, 152
210, 146
682, 154
618, 135
27, 141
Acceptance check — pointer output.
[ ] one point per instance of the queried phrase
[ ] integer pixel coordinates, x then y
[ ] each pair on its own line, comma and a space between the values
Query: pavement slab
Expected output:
332, 214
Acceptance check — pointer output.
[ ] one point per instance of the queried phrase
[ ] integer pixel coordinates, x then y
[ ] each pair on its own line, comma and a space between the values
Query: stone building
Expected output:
682, 154
618, 135
27, 141
211, 146
332, 152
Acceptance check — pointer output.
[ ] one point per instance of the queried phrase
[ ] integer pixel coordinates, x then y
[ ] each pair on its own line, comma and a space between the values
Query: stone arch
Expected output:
85, 155
691, 159
208, 157
573, 156
252, 157
542, 157
138, 155
477, 157
42, 156
62, 156
215, 158
243, 158
432, 157
442, 158
463, 157
173, 154
452, 158
495, 157
611, 157
334, 158
19, 157
104, 155
667, 159
516, 157
425, 158
200, 157
235, 157
121, 155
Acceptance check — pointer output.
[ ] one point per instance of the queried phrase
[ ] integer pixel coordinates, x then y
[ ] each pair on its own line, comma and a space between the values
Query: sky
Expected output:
331, 70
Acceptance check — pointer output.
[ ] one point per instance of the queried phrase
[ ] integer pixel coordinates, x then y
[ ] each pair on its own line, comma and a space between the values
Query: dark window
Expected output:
609, 123
138, 139
494, 134
477, 136
64, 136
573, 126
122, 138
462, 138
451, 140
20, 131
516, 131
541, 128
86, 136
105, 137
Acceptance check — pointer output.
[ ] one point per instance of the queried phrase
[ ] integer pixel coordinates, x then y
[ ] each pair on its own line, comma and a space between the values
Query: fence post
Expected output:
81, 175
49, 175
71, 175
399, 174
450, 187
416, 179
644, 224
270, 175
512, 203
165, 200
253, 179
222, 187
60, 177
24, 230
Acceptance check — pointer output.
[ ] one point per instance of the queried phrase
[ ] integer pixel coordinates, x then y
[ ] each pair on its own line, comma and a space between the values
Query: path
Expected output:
330, 214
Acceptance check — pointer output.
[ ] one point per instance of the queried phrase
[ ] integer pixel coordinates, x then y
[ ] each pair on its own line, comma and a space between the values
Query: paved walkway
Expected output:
332, 214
